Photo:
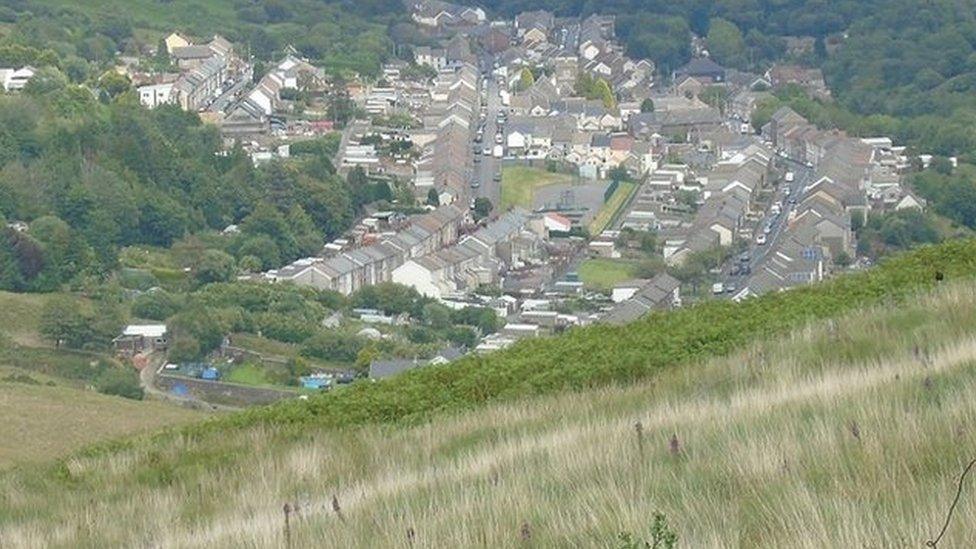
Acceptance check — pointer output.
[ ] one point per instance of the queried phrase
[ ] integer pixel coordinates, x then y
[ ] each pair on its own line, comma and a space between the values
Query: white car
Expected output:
761, 240
486, 151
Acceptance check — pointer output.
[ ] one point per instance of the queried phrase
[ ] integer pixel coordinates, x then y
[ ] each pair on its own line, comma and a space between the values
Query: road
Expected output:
229, 97
486, 166
803, 177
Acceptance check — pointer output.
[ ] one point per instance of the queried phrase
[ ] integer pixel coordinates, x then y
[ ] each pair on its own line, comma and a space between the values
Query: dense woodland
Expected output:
93, 177
82, 33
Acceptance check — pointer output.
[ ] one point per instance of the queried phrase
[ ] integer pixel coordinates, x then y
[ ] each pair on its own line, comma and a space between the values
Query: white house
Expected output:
153, 95
16, 79
419, 277
516, 140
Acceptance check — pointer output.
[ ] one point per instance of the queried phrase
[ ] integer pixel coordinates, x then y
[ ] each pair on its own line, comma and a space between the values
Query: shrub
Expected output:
120, 382
332, 345
156, 305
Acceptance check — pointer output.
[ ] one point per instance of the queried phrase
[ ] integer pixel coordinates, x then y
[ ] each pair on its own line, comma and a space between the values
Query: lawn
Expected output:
248, 374
603, 274
519, 184
610, 208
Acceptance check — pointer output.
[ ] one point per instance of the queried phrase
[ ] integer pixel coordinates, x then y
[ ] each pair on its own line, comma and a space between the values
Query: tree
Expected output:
843, 259
332, 345
715, 96
119, 382
114, 84
156, 305
482, 208
215, 266
942, 165
184, 348
432, 198
526, 80
647, 105
63, 323
725, 43
388, 297
605, 94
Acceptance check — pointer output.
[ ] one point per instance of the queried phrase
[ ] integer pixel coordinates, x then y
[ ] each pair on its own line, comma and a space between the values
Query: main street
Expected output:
778, 223
486, 165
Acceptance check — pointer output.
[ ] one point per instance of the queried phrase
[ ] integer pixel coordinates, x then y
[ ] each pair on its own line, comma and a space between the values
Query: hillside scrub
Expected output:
780, 444
603, 355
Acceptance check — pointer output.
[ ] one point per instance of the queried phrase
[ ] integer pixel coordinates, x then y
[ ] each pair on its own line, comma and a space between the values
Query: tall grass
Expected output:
849, 432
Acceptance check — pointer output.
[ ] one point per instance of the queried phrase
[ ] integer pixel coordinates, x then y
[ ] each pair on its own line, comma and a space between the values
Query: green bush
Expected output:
332, 345
120, 382
156, 305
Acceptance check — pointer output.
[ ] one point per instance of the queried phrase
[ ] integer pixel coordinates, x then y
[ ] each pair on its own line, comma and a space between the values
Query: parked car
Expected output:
761, 240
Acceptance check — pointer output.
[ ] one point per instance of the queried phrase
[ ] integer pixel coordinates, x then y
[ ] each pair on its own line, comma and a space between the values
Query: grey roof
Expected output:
655, 294
193, 52
379, 369
702, 66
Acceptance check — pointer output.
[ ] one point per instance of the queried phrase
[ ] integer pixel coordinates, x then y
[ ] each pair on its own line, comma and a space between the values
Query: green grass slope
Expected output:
845, 432
43, 422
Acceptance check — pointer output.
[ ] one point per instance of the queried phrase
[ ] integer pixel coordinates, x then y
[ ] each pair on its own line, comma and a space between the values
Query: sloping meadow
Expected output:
830, 401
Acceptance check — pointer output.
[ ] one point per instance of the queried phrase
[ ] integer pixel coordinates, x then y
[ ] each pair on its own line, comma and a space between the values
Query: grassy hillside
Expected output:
43, 422
848, 432
20, 315
47, 407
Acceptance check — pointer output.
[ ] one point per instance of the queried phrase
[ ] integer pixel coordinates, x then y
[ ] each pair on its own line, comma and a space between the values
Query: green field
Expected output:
603, 274
610, 208
519, 184
42, 423
248, 374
